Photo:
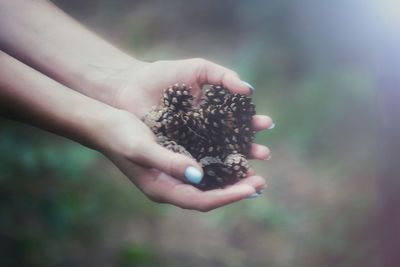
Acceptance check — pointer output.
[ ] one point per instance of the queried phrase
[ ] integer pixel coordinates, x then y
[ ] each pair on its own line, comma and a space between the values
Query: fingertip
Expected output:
179, 166
193, 175
213, 73
260, 152
272, 126
252, 88
240, 190
262, 122
235, 85
188, 169
254, 195
257, 182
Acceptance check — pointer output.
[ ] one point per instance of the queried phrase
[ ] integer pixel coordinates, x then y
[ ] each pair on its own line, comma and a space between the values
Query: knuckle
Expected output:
134, 151
200, 61
176, 166
171, 169
129, 153
223, 76
234, 73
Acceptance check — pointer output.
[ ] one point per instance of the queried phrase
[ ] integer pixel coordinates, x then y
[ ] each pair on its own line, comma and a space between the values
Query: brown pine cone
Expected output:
217, 134
214, 95
238, 164
178, 97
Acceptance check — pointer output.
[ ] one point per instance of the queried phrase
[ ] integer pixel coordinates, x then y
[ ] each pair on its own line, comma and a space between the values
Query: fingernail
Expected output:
252, 89
269, 157
254, 195
272, 126
193, 175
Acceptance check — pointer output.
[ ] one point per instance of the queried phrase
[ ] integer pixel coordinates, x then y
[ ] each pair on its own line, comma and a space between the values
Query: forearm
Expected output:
43, 102
43, 36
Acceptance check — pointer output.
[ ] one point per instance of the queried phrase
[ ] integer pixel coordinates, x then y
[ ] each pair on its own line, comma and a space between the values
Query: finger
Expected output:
259, 152
257, 182
189, 197
261, 122
177, 165
162, 188
211, 73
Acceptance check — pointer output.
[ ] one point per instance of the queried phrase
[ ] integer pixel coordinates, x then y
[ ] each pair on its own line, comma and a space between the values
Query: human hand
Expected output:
146, 81
158, 172
163, 188
138, 87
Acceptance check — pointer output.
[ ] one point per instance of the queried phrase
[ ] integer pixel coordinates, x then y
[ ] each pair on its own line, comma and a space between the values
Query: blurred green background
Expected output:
318, 67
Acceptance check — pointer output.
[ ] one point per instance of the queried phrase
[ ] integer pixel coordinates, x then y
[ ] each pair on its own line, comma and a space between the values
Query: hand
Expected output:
158, 172
139, 86
163, 188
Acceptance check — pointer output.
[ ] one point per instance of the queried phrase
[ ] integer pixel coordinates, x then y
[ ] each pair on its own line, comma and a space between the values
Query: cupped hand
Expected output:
138, 87
146, 81
163, 188
158, 172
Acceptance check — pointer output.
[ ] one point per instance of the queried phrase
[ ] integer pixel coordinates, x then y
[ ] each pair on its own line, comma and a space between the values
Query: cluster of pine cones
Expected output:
217, 134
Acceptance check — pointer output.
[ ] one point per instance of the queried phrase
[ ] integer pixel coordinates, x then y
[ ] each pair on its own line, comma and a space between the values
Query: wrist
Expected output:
102, 80
108, 130
98, 77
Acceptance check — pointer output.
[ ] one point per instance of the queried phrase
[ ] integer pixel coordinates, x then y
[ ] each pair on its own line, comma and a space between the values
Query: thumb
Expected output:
177, 165
212, 73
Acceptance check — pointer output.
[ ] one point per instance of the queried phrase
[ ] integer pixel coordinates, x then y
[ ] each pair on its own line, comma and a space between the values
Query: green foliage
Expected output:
54, 197
133, 255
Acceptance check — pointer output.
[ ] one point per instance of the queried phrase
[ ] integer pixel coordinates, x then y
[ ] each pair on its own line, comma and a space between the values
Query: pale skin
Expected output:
111, 91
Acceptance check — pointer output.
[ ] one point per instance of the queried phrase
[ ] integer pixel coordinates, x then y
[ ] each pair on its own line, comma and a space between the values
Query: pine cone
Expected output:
238, 164
217, 134
152, 119
216, 173
218, 121
178, 98
215, 95
241, 106
173, 126
172, 145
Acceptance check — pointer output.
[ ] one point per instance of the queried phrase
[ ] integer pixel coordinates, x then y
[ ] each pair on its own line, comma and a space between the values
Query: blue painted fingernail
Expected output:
272, 126
254, 195
193, 175
252, 89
